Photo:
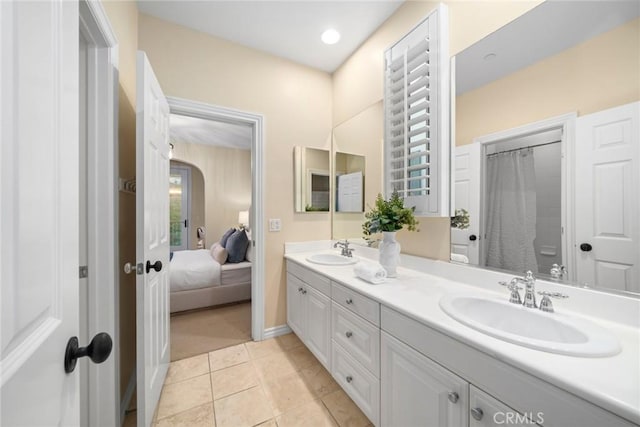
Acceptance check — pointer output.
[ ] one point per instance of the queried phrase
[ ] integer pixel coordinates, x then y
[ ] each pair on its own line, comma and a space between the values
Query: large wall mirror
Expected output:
547, 151
312, 179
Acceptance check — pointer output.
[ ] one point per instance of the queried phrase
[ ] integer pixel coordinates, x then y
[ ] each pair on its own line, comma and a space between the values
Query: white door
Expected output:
416, 391
350, 192
296, 306
486, 411
607, 198
152, 240
467, 196
38, 212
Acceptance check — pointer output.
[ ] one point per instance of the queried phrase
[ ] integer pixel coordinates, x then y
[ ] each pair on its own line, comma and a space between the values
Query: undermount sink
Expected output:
331, 259
530, 327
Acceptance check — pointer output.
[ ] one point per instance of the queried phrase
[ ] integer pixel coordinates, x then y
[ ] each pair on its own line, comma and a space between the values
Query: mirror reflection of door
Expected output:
179, 220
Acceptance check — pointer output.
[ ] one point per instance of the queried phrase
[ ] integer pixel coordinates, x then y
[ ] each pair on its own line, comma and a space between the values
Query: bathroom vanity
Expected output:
405, 362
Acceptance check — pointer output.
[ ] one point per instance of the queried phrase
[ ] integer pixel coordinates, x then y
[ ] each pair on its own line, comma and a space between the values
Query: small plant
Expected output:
461, 220
389, 215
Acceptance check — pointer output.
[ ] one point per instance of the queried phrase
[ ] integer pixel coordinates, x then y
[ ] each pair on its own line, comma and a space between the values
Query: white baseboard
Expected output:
128, 394
276, 331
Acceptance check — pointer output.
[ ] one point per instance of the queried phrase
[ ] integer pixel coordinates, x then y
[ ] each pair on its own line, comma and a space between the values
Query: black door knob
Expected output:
157, 266
585, 247
473, 237
98, 351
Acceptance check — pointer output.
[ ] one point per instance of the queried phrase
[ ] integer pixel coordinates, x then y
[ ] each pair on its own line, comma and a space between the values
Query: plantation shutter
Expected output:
416, 135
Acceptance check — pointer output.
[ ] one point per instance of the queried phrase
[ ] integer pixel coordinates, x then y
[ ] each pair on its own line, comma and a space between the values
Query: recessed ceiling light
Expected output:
490, 56
330, 36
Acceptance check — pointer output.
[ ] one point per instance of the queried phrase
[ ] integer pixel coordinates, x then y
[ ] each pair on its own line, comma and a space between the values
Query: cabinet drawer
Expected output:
357, 303
359, 338
311, 278
357, 382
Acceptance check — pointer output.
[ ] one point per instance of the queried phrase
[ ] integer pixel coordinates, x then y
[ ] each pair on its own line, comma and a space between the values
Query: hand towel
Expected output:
459, 258
371, 272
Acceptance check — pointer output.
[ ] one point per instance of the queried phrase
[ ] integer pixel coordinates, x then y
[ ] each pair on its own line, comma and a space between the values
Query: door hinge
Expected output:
83, 272
139, 268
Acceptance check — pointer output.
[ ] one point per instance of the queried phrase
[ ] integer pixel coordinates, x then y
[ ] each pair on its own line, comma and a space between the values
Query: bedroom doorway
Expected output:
216, 285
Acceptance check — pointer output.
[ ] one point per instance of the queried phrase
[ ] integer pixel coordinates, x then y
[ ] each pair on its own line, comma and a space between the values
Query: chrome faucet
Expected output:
530, 290
557, 272
345, 250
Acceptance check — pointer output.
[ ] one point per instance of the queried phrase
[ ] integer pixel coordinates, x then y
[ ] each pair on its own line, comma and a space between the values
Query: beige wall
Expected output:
358, 85
600, 73
123, 16
196, 201
227, 184
295, 101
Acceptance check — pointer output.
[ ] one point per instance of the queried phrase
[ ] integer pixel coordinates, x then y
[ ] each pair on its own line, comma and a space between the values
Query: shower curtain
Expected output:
511, 211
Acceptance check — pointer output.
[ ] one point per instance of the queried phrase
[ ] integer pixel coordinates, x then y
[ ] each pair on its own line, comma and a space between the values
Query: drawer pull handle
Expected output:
304, 292
349, 301
349, 334
349, 378
477, 413
453, 397
299, 289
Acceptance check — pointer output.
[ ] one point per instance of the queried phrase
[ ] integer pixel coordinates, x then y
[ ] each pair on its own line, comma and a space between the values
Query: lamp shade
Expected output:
243, 218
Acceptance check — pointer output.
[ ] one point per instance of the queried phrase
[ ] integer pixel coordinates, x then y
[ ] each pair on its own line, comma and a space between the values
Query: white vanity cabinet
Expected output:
417, 391
403, 373
309, 310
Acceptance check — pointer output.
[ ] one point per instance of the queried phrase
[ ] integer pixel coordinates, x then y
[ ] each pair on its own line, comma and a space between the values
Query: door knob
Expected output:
157, 266
453, 397
98, 351
586, 247
473, 237
477, 413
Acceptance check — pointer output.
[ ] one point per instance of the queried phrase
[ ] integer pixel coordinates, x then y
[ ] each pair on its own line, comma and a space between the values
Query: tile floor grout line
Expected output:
182, 412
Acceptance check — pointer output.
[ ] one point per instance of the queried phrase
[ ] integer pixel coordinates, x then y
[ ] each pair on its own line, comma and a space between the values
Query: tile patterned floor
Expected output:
275, 383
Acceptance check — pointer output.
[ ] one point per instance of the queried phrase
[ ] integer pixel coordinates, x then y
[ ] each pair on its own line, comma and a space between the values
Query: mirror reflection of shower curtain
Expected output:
511, 211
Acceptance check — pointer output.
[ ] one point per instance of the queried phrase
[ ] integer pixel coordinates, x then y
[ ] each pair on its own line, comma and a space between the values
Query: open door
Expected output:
467, 196
152, 240
607, 202
39, 186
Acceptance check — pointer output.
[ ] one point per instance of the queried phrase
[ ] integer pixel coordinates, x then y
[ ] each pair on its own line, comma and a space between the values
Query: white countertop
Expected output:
612, 383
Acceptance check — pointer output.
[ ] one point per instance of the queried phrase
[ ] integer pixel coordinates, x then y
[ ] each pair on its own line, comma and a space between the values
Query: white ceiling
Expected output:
200, 131
289, 29
546, 30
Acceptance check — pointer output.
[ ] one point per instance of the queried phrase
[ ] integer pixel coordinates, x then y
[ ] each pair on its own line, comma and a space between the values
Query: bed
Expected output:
197, 280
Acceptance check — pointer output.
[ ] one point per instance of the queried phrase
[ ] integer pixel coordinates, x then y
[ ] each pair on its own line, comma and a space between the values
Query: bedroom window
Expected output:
179, 203
417, 116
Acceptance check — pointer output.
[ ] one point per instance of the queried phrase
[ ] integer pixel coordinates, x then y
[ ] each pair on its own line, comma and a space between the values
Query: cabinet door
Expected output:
295, 305
318, 332
417, 391
487, 411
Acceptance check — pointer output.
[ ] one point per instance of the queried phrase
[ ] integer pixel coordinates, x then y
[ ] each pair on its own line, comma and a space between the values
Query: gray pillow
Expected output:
237, 246
225, 237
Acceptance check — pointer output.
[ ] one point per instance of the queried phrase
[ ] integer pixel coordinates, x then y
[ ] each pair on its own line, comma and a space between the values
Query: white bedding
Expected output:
193, 270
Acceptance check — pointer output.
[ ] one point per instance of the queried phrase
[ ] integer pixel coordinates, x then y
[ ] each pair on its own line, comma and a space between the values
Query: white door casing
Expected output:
607, 198
467, 196
152, 239
38, 211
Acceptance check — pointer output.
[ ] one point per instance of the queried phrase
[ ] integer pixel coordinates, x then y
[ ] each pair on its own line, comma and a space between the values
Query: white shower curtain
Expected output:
511, 211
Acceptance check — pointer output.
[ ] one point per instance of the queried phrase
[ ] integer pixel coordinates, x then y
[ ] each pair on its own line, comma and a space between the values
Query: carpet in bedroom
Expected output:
202, 331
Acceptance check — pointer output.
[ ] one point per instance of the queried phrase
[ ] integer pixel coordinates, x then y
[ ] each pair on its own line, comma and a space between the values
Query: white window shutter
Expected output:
416, 98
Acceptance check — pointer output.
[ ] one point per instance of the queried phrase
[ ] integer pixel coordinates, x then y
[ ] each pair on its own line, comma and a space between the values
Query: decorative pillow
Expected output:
225, 236
219, 254
237, 246
215, 245
249, 255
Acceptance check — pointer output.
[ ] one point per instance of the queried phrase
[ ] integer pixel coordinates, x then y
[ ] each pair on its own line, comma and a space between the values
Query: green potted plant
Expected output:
387, 217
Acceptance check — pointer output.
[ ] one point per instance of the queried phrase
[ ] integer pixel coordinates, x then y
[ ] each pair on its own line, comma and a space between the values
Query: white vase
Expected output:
389, 252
